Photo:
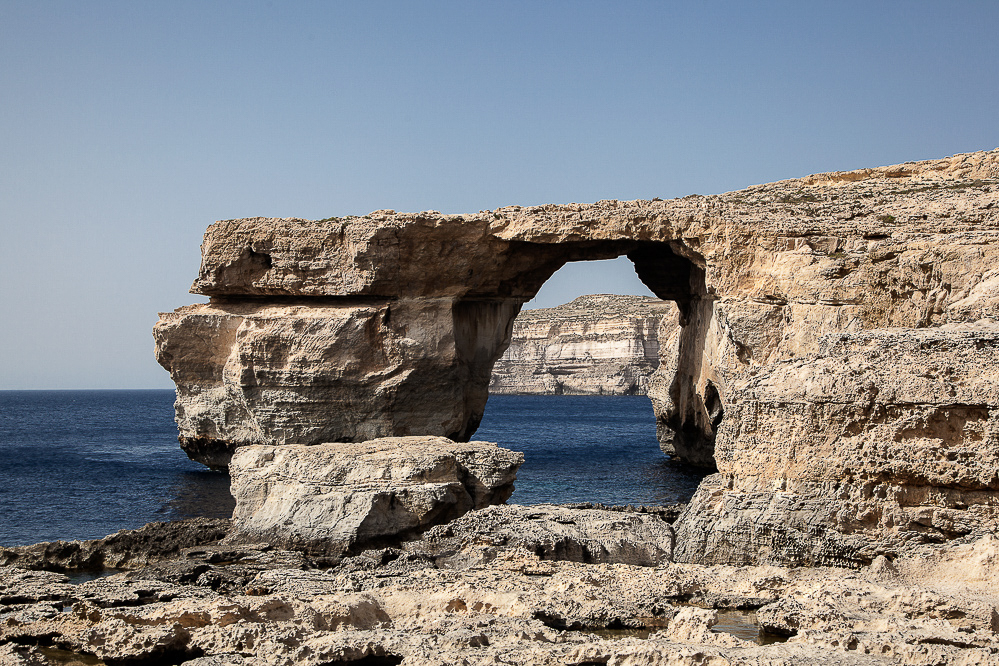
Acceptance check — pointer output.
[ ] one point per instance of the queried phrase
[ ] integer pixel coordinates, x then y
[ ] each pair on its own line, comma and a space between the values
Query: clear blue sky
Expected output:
128, 127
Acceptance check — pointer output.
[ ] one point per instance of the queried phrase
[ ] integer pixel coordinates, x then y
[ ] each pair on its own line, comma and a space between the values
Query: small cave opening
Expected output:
248, 267
583, 391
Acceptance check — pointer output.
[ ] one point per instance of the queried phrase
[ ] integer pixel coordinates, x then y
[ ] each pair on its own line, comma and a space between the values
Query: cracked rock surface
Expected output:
213, 604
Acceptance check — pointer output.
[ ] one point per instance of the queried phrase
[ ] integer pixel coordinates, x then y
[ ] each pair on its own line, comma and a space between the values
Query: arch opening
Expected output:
687, 408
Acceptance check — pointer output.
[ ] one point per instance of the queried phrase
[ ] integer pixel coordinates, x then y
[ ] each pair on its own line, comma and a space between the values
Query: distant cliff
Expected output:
595, 345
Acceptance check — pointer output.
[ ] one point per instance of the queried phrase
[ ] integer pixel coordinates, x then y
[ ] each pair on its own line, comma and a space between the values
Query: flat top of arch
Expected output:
431, 254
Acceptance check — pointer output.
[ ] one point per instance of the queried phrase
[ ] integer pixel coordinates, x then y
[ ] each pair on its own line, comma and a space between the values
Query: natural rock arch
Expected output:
685, 426
792, 296
237, 359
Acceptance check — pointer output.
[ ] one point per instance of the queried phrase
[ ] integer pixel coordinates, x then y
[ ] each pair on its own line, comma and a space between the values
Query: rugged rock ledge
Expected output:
595, 345
123, 550
478, 600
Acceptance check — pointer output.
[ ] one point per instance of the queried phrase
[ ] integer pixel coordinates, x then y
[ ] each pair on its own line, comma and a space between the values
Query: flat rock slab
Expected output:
329, 498
552, 532
149, 544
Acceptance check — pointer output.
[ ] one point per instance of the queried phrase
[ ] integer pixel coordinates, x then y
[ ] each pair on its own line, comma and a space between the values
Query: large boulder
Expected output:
329, 498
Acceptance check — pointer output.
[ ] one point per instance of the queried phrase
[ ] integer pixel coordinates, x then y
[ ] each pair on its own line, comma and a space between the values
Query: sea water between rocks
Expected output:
84, 464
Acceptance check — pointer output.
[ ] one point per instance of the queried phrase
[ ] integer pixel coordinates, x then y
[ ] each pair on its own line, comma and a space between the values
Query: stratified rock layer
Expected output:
553, 532
327, 371
328, 498
880, 441
595, 345
759, 278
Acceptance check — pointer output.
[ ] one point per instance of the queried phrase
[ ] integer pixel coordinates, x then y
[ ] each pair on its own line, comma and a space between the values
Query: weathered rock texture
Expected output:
878, 441
126, 548
553, 532
595, 345
759, 277
215, 605
305, 372
328, 498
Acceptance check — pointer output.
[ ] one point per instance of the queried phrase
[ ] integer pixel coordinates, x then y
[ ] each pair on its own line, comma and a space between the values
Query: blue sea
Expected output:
84, 464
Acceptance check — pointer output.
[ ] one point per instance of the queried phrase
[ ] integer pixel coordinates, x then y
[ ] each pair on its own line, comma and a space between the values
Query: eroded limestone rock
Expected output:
758, 276
262, 373
880, 441
126, 548
553, 533
762, 279
22, 655
939, 607
328, 498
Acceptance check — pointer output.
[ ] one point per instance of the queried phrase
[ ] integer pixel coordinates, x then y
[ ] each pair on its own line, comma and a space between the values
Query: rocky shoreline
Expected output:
506, 584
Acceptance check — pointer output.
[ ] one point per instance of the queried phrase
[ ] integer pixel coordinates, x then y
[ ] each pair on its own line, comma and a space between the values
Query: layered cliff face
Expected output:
596, 345
763, 279
881, 441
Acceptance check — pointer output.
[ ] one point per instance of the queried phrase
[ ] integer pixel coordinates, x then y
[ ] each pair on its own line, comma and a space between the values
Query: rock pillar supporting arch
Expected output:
684, 390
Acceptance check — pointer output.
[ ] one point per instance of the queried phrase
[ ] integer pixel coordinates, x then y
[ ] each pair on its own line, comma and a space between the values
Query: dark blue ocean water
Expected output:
83, 464
586, 449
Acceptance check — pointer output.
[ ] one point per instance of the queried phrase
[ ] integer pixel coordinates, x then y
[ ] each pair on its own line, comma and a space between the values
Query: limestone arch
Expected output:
688, 405
350, 329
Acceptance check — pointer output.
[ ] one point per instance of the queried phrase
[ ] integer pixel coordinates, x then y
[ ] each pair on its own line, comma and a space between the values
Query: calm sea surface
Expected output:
83, 464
